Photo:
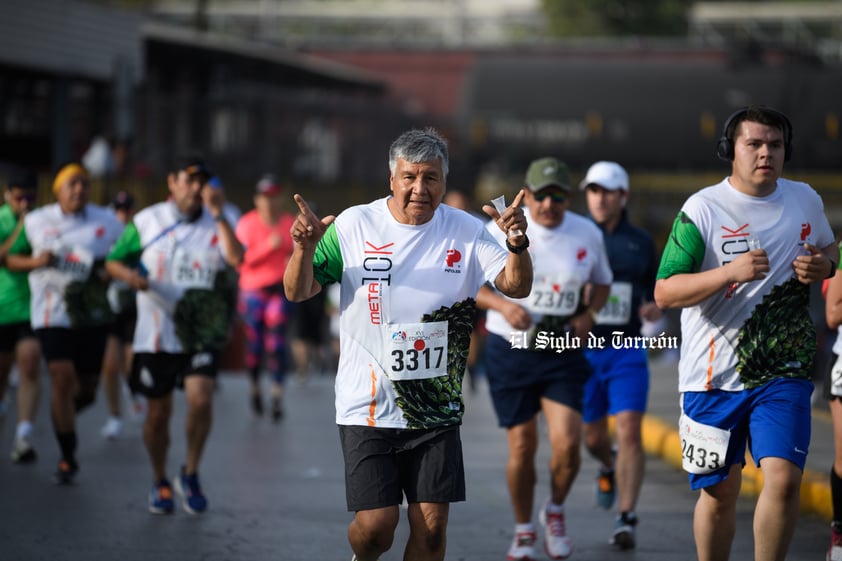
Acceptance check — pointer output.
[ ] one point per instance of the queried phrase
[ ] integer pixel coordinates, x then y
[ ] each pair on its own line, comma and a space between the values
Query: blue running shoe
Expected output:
188, 488
605, 489
623, 536
160, 498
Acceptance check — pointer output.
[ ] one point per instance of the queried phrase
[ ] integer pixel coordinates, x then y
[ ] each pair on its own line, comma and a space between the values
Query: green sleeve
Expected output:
8, 223
685, 249
327, 261
21, 245
127, 248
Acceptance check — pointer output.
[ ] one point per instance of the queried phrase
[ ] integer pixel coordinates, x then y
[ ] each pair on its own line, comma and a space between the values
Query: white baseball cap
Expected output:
608, 175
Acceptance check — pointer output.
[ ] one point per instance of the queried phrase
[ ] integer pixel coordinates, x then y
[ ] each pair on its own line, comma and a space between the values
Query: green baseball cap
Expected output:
545, 172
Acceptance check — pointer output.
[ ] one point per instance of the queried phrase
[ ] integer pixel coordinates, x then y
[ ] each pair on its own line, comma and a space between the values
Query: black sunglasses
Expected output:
555, 196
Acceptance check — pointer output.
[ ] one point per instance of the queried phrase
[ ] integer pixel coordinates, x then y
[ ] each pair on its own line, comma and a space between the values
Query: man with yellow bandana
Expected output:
68, 241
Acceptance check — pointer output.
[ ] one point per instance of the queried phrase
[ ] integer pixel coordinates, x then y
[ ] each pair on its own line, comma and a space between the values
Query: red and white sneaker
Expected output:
557, 543
834, 552
523, 547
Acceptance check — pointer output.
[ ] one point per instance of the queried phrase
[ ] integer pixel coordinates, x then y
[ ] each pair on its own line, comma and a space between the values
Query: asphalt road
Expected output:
276, 493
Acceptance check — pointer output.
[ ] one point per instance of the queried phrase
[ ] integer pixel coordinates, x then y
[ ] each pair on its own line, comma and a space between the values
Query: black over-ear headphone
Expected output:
725, 146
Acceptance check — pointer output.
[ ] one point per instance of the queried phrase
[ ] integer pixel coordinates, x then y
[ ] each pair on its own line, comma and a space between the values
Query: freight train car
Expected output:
653, 114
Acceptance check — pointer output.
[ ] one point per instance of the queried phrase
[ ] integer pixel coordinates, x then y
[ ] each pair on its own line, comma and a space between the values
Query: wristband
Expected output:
520, 248
219, 217
832, 269
593, 314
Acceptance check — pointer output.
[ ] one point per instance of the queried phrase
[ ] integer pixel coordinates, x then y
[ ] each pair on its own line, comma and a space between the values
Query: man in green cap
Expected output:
535, 352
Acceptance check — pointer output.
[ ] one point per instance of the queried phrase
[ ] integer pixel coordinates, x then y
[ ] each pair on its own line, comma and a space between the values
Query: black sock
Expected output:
836, 495
67, 443
629, 517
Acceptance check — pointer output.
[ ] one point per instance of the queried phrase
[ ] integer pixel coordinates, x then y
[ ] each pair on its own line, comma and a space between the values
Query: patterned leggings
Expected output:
265, 312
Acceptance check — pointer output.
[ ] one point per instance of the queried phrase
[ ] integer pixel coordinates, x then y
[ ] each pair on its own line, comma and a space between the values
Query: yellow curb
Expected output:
661, 439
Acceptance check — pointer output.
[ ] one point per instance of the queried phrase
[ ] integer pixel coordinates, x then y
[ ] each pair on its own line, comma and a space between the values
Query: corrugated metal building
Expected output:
70, 70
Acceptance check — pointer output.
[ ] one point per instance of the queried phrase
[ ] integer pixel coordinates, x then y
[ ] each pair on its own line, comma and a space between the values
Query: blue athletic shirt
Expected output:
634, 262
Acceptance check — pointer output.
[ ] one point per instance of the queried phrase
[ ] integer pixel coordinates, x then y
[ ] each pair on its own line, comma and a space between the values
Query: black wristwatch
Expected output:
832, 269
520, 248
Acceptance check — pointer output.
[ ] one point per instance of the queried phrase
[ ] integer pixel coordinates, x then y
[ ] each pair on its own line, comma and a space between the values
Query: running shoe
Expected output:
557, 543
22, 451
257, 404
623, 536
65, 473
523, 547
277, 409
605, 489
834, 552
161, 499
113, 428
188, 488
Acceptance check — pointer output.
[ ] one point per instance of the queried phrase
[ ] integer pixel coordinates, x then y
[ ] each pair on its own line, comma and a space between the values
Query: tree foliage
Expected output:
611, 18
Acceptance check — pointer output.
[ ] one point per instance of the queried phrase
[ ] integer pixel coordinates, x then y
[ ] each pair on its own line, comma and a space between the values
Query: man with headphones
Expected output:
739, 261
619, 385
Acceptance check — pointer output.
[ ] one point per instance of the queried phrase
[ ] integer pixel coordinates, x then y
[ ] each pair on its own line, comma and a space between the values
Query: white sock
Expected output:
524, 528
24, 429
554, 508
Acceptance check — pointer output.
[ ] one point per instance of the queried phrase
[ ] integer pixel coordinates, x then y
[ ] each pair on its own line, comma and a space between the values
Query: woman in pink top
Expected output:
264, 232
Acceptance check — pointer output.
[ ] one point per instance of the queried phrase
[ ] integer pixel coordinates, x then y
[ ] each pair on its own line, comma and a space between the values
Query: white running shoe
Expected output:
113, 428
523, 547
557, 543
22, 451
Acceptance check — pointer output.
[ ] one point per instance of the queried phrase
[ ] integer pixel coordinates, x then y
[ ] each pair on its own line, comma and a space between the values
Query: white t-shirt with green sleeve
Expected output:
747, 333
181, 259
407, 306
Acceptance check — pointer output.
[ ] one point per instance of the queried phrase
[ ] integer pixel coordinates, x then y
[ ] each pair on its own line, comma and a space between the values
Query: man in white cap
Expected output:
620, 381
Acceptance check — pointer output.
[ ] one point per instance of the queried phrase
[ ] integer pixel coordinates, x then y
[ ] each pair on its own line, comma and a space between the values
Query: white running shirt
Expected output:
396, 368
177, 255
564, 259
748, 333
76, 240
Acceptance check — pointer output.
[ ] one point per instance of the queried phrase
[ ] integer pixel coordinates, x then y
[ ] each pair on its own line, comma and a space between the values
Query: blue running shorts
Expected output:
773, 419
620, 382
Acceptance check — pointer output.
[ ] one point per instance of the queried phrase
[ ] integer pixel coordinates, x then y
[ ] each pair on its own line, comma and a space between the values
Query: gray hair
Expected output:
416, 146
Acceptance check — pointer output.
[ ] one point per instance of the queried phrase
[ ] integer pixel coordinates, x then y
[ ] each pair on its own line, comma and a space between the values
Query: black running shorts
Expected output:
84, 346
11, 333
158, 374
384, 465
